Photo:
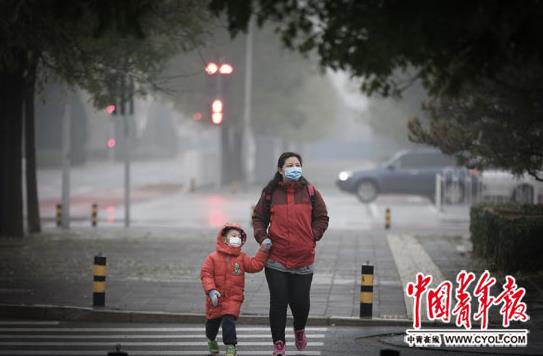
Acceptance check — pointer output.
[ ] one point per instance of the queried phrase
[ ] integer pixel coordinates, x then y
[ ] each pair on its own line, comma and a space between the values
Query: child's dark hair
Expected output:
278, 177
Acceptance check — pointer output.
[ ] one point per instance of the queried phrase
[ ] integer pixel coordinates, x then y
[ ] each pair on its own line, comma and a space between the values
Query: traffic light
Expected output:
111, 143
217, 111
211, 68
111, 109
218, 87
226, 69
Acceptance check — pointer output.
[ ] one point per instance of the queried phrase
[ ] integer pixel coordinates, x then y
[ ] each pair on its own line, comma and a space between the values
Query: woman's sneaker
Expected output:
279, 348
300, 339
231, 350
213, 347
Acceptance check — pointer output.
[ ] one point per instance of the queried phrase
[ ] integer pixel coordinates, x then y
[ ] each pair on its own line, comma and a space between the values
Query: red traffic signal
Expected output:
111, 143
111, 109
217, 111
226, 69
211, 68
197, 116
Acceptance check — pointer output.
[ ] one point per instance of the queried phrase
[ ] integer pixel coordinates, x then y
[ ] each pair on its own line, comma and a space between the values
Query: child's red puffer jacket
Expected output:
224, 270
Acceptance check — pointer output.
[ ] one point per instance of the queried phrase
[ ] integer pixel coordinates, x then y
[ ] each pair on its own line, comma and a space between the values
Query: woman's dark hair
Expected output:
278, 177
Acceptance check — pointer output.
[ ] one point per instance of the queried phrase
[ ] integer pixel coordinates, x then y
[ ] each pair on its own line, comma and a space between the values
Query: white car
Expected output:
497, 185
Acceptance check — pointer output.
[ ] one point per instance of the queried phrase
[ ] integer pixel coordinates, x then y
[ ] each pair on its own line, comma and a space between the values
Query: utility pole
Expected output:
66, 136
248, 138
127, 98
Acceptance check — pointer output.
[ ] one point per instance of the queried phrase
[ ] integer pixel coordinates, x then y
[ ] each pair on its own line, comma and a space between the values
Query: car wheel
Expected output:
453, 193
366, 191
523, 194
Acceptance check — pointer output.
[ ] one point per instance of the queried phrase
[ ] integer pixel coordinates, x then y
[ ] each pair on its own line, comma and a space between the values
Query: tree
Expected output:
462, 52
498, 123
291, 99
449, 43
89, 43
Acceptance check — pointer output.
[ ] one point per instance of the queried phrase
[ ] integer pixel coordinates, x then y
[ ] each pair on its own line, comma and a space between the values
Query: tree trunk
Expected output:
11, 105
32, 203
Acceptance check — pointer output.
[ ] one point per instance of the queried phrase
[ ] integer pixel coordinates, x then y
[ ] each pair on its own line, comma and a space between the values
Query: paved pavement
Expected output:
153, 267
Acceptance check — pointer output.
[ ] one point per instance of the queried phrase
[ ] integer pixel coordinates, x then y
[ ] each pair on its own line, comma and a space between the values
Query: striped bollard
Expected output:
366, 291
59, 215
387, 218
99, 285
94, 215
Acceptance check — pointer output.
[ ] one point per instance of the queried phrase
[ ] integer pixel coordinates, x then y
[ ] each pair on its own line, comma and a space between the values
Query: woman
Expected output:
292, 213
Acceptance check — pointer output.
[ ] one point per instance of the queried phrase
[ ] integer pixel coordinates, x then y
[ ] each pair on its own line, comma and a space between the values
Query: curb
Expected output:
72, 313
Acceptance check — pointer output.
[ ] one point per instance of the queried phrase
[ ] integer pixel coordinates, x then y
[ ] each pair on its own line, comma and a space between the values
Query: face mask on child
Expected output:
234, 241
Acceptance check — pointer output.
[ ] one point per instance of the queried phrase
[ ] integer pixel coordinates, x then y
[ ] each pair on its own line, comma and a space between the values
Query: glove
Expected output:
266, 245
214, 295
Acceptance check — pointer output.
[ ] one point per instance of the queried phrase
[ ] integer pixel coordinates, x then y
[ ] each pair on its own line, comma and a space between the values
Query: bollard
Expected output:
117, 351
192, 185
366, 291
94, 215
99, 285
387, 218
389, 352
59, 215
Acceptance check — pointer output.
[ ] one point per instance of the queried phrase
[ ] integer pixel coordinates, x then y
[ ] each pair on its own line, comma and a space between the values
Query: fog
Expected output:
294, 106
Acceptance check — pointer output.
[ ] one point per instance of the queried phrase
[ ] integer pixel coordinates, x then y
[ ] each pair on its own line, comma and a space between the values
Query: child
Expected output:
223, 279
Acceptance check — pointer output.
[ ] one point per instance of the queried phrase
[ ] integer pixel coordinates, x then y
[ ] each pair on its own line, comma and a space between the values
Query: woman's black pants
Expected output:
228, 329
292, 290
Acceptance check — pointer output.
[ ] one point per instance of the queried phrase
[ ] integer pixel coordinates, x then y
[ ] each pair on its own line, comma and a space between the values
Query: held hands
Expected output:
266, 245
214, 295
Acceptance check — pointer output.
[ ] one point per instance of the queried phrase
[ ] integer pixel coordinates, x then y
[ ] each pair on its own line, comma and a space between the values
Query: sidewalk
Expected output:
157, 271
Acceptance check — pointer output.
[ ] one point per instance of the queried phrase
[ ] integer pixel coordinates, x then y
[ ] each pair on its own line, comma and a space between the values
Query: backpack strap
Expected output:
311, 191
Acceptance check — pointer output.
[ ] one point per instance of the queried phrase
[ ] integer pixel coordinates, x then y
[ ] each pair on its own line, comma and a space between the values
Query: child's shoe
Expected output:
213, 347
279, 348
300, 339
231, 350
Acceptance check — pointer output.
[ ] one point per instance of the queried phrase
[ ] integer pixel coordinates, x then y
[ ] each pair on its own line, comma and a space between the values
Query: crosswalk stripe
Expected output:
134, 343
143, 329
145, 353
29, 323
136, 336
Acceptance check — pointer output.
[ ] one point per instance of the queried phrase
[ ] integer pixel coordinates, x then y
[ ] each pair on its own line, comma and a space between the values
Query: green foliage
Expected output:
508, 237
480, 62
92, 43
450, 43
475, 124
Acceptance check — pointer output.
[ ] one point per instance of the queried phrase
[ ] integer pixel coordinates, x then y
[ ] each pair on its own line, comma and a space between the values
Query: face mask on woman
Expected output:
293, 173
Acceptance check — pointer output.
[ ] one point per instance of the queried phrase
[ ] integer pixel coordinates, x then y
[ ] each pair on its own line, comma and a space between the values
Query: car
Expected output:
407, 172
500, 185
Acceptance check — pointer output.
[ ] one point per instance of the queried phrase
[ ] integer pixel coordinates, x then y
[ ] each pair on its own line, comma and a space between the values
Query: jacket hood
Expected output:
221, 244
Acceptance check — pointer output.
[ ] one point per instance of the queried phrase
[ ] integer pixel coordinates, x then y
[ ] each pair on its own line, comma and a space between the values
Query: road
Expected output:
160, 197
53, 338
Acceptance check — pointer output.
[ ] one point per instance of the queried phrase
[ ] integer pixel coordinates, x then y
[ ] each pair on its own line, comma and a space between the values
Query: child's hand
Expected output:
266, 245
214, 295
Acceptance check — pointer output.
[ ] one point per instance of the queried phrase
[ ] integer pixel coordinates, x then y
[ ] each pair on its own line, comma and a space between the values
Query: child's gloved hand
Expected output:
214, 295
266, 245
